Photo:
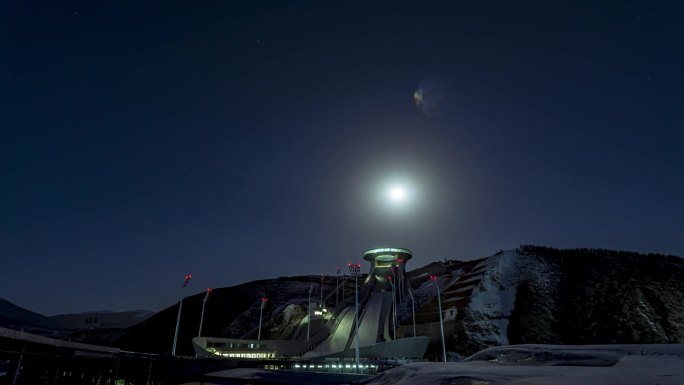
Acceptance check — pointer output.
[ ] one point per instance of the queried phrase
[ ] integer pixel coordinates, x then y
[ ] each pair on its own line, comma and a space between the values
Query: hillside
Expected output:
15, 317
103, 319
601, 296
529, 295
547, 296
230, 312
104, 327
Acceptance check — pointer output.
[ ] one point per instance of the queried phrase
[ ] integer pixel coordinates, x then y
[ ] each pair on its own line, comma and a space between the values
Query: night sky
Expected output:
243, 140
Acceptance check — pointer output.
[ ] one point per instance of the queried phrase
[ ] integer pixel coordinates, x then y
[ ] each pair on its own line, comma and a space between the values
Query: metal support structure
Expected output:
180, 308
413, 310
261, 312
344, 283
204, 304
441, 322
354, 269
18, 369
356, 316
149, 373
337, 286
308, 316
116, 370
394, 303
400, 280
394, 307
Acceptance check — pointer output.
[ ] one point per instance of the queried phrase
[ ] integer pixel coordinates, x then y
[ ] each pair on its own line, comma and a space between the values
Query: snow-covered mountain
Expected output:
529, 295
15, 317
70, 326
103, 319
543, 295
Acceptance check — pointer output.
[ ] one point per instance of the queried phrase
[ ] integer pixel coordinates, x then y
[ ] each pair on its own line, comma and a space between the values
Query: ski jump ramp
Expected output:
381, 293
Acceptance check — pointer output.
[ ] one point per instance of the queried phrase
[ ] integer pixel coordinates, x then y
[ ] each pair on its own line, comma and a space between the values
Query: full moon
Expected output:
397, 194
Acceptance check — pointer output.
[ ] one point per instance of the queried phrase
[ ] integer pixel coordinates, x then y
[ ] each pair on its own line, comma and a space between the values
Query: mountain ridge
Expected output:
533, 294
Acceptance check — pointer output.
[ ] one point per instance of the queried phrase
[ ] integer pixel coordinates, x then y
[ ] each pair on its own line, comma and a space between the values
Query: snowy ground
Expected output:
550, 365
507, 365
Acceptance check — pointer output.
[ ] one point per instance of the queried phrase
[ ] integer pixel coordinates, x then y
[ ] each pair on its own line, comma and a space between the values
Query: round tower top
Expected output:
388, 254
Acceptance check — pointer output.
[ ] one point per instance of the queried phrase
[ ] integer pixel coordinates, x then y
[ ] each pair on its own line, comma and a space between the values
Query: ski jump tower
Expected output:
387, 269
380, 297
383, 293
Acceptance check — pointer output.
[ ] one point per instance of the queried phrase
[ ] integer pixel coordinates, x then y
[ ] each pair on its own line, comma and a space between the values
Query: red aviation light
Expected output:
264, 299
433, 278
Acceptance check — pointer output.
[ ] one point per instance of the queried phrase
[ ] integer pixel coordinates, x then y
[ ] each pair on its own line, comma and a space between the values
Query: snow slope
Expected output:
493, 299
550, 365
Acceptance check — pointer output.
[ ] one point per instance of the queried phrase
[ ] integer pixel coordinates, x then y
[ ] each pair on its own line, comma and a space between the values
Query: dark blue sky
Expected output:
237, 141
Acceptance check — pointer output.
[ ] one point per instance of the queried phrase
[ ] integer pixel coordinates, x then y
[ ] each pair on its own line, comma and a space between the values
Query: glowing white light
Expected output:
397, 194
